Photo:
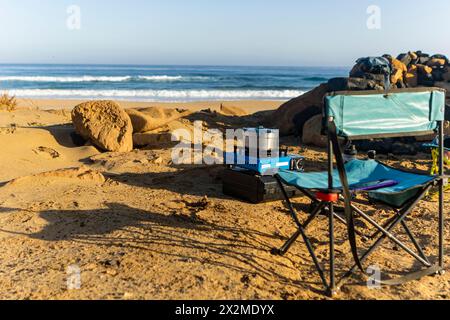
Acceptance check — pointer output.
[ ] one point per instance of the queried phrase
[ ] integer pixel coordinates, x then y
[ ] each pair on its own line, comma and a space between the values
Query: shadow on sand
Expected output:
236, 248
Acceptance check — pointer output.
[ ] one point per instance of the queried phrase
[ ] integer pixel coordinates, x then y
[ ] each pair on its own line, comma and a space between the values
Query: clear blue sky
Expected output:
219, 32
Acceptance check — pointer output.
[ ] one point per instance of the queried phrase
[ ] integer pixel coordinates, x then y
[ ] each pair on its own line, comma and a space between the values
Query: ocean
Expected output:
161, 83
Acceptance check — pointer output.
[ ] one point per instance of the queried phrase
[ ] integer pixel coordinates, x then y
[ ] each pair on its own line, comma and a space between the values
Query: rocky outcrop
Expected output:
299, 116
291, 116
105, 124
312, 132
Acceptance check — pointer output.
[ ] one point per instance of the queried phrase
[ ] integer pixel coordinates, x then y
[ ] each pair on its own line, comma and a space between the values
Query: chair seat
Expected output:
360, 172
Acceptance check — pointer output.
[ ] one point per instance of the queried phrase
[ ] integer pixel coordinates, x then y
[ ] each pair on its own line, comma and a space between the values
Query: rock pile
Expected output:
299, 116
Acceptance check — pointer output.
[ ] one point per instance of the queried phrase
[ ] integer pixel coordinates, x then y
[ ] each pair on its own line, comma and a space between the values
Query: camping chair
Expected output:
365, 115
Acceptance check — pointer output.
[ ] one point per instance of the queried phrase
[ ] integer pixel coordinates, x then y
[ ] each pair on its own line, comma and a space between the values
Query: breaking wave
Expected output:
159, 78
169, 95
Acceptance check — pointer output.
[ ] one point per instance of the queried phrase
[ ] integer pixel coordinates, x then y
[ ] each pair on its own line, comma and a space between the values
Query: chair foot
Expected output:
331, 293
276, 252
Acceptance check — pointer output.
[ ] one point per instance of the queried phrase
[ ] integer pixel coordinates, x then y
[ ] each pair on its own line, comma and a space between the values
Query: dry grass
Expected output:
7, 102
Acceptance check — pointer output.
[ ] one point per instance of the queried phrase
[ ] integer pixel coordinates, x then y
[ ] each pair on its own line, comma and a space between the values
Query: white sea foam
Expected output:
172, 78
168, 95
69, 79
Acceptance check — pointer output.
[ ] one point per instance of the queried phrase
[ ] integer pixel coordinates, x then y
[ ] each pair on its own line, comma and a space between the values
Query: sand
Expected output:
249, 105
138, 227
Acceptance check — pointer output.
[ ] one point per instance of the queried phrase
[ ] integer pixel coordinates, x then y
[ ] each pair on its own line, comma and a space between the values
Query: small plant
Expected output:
7, 102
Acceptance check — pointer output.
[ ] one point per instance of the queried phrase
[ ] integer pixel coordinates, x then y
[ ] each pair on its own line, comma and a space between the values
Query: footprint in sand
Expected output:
47, 152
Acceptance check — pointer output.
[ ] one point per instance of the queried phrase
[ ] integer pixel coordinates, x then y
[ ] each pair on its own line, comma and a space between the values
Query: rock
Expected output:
285, 117
426, 138
104, 123
312, 132
446, 76
399, 148
412, 78
152, 139
435, 62
446, 129
161, 117
232, 111
444, 85
140, 121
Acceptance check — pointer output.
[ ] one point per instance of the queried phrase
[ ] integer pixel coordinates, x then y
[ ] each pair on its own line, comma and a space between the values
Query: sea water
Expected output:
162, 83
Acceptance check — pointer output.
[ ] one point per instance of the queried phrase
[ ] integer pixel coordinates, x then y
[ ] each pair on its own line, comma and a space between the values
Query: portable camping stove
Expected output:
261, 154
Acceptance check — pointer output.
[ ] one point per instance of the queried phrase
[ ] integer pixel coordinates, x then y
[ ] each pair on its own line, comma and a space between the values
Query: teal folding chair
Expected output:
365, 115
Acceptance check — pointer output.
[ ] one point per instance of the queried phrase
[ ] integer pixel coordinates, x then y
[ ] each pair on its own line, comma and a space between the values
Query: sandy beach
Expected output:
138, 227
251, 106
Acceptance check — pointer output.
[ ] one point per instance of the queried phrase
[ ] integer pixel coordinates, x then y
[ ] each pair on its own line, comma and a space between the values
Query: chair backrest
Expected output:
371, 114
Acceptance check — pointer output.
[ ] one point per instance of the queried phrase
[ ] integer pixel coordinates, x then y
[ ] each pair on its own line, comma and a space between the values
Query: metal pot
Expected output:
266, 141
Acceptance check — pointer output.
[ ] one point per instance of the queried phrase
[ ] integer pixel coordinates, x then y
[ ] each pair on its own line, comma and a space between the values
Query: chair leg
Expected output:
391, 237
380, 240
414, 241
285, 248
301, 231
441, 227
332, 288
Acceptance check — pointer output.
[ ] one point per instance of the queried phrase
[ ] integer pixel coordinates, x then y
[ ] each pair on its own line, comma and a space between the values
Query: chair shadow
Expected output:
242, 249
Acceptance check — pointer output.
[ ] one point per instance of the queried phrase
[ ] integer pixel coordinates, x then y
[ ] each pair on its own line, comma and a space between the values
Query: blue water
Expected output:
161, 83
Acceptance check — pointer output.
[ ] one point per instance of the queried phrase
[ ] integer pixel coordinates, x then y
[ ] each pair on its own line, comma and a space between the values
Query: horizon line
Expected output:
170, 65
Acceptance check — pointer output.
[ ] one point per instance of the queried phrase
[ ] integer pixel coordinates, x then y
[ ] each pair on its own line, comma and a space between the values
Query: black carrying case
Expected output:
248, 186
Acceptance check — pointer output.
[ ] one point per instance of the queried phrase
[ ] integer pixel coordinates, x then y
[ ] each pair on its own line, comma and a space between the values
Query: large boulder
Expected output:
294, 112
312, 132
105, 124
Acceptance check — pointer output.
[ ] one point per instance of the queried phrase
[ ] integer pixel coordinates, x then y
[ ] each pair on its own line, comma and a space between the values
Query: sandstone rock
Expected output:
104, 123
285, 117
160, 117
312, 132
232, 111
152, 139
140, 121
